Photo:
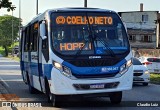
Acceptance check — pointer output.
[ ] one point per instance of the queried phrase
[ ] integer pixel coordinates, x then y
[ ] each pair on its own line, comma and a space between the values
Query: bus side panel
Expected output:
25, 64
34, 70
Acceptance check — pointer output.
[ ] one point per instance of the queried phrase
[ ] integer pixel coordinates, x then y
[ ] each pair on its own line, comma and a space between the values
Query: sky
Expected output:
28, 7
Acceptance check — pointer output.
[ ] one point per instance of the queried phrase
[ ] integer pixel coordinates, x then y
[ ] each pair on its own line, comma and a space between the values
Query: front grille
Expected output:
87, 86
94, 62
138, 72
95, 75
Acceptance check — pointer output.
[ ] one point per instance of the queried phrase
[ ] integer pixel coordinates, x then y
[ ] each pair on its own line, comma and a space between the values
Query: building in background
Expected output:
142, 27
158, 30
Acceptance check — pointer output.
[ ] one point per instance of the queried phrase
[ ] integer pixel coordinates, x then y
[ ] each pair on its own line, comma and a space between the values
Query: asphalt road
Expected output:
11, 79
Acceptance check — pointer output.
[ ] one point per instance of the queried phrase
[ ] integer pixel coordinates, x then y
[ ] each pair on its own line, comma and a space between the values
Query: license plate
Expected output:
137, 78
97, 86
156, 70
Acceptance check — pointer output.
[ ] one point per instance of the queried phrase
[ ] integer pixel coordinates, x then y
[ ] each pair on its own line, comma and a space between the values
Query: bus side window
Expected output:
34, 34
31, 38
44, 44
35, 40
27, 39
45, 48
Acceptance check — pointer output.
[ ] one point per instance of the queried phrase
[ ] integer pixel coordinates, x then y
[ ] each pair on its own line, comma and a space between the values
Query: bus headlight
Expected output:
125, 67
57, 65
63, 69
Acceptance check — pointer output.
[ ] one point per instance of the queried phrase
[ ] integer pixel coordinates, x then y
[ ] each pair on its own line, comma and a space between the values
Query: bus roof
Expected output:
81, 9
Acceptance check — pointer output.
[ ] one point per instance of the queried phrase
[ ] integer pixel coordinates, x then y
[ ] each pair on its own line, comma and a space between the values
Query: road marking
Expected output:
4, 82
13, 80
9, 65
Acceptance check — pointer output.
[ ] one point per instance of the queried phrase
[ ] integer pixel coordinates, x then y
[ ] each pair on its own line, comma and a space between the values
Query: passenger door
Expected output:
34, 62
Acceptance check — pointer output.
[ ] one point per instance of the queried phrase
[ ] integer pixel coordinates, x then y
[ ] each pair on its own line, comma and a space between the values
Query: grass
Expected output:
155, 78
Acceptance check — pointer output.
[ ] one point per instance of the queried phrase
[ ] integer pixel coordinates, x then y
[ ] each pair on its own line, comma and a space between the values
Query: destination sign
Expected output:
80, 20
74, 46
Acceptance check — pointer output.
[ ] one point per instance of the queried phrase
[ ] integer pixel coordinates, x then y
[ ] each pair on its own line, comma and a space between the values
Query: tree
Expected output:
6, 4
6, 38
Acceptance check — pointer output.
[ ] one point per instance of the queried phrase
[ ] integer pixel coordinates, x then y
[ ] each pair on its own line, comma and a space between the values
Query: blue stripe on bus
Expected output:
47, 70
76, 70
26, 66
32, 68
94, 70
22, 65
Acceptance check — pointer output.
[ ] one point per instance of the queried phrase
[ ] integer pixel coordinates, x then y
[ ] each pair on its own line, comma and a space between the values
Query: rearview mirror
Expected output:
43, 30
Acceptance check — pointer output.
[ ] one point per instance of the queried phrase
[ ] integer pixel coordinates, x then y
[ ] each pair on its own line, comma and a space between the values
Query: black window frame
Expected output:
27, 39
34, 35
145, 18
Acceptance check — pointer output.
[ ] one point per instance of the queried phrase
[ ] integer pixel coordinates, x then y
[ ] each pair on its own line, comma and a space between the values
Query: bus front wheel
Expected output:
52, 98
116, 97
55, 100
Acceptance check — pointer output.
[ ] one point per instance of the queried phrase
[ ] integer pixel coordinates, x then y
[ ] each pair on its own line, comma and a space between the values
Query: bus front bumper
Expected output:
62, 85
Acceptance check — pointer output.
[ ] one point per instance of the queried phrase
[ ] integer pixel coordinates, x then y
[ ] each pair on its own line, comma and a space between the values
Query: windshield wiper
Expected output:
86, 41
106, 45
80, 50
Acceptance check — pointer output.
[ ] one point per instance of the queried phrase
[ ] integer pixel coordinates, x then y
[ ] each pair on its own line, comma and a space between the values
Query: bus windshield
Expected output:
88, 33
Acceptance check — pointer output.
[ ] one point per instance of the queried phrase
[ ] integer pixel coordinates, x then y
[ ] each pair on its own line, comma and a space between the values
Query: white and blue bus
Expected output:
76, 51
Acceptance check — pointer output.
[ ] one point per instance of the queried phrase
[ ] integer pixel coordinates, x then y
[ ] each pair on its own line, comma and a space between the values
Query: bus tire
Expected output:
32, 90
116, 97
55, 100
47, 90
52, 98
